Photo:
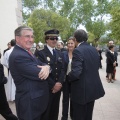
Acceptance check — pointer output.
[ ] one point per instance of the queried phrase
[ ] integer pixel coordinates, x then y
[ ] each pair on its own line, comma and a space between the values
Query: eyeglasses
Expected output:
53, 38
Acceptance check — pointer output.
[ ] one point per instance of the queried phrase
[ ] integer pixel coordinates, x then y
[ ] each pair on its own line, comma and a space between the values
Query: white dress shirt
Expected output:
51, 49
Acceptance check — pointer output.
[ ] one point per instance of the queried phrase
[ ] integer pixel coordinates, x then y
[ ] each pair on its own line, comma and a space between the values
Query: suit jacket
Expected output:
115, 53
86, 85
3, 79
1, 74
110, 58
31, 92
66, 59
57, 73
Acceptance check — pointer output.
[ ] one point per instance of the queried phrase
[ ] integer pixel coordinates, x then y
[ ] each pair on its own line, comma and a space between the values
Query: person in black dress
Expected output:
111, 63
100, 56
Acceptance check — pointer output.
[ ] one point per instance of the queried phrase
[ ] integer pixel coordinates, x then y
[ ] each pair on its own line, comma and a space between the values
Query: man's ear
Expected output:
17, 38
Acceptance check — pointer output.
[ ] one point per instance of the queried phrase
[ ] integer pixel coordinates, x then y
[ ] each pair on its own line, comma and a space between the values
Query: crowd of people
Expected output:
35, 81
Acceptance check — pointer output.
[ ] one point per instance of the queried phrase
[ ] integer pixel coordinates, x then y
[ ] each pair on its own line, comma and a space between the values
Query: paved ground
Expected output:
108, 107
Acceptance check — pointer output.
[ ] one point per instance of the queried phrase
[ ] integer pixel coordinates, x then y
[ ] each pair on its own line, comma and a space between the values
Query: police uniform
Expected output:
56, 75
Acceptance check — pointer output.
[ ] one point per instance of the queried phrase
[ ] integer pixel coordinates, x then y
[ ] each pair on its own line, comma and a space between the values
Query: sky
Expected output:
82, 27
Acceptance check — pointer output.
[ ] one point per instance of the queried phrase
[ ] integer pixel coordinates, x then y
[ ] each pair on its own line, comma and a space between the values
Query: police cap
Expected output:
53, 32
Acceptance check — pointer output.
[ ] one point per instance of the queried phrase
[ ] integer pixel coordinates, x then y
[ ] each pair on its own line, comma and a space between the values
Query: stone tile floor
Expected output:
106, 108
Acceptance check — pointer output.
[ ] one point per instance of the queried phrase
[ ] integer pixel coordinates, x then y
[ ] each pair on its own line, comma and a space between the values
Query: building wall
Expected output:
11, 18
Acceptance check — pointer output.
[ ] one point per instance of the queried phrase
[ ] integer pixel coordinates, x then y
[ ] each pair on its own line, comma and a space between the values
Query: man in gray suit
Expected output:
86, 85
30, 77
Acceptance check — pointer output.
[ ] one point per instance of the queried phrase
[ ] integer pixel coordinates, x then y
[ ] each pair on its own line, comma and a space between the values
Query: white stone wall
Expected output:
10, 19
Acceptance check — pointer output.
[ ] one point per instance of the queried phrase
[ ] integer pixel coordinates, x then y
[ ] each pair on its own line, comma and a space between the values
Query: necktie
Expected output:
30, 53
54, 54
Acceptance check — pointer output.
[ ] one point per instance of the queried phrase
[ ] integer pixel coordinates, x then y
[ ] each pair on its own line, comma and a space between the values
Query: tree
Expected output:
115, 22
89, 13
28, 7
97, 24
91, 38
42, 20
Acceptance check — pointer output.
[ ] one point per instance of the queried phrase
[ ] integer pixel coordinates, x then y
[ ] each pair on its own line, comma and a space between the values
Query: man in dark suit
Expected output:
30, 77
53, 57
86, 85
100, 56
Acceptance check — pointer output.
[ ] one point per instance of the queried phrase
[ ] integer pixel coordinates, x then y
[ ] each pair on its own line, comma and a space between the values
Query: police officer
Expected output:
53, 57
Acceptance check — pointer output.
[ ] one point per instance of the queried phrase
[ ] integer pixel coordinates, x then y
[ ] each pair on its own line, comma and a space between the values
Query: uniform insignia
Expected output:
48, 59
59, 58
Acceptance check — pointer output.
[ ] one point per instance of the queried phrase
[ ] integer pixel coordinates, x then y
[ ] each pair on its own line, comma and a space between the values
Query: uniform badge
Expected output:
48, 59
60, 59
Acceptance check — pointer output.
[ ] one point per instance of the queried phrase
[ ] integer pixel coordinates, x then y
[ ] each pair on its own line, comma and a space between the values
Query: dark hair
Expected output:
111, 46
71, 38
13, 42
80, 35
37, 46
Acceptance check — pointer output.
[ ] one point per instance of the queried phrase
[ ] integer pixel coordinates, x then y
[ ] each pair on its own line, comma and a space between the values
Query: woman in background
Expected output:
111, 63
67, 55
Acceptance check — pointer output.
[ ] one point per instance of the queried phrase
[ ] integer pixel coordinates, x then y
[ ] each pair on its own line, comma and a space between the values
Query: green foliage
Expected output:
42, 20
91, 37
102, 7
104, 39
89, 13
30, 4
115, 22
28, 7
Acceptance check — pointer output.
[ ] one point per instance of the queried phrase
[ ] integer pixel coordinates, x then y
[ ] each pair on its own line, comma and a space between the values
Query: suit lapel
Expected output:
26, 52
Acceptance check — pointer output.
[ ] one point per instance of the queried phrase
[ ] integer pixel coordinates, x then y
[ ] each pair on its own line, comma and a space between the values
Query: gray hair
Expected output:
19, 30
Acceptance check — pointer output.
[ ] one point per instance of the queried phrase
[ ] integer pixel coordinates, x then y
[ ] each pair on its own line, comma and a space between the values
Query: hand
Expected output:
114, 64
57, 87
44, 73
